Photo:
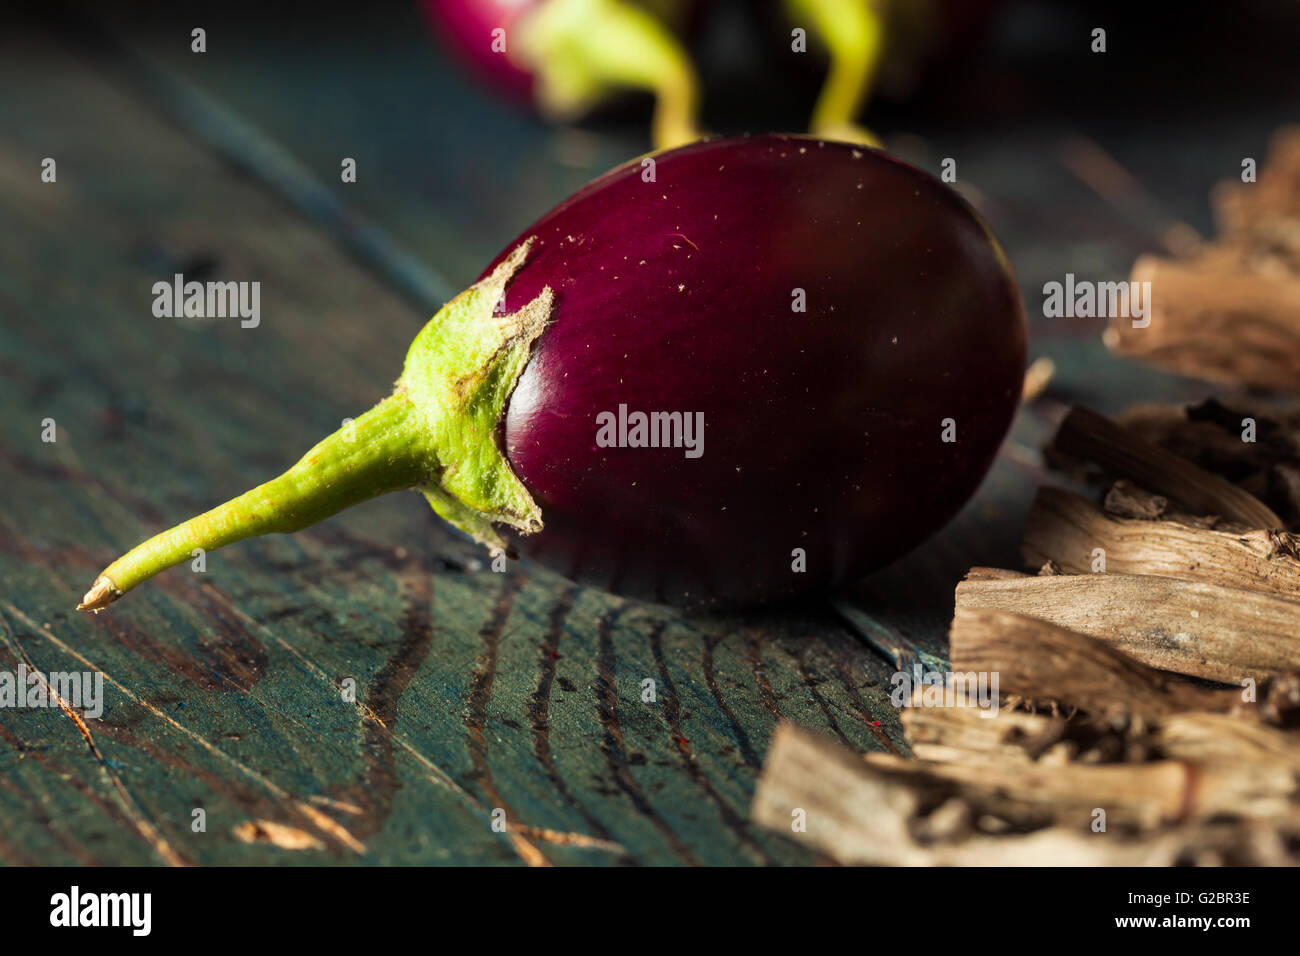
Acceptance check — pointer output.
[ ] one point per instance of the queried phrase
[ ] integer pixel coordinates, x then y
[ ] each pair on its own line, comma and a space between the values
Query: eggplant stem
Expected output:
853, 32
379, 452
676, 104
580, 50
436, 432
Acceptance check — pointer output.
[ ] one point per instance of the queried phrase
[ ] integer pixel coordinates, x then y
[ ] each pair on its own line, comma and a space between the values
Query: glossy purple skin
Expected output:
822, 429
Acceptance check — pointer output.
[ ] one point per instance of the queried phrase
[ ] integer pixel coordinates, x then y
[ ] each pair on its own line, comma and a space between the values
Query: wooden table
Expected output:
475, 692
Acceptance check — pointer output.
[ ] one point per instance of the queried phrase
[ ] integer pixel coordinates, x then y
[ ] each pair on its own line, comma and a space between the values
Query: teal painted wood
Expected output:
224, 690
474, 691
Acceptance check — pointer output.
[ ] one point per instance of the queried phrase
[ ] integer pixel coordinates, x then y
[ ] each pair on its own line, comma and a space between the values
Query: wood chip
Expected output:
1033, 657
1087, 436
1076, 535
1189, 627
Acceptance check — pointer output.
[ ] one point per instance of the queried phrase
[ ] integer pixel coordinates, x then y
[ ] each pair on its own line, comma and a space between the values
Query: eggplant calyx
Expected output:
460, 372
435, 433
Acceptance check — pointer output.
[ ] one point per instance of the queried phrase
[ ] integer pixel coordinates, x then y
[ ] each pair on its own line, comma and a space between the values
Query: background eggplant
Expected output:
567, 57
845, 327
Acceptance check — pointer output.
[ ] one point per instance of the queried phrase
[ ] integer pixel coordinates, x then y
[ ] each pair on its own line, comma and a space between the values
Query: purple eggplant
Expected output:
739, 371
568, 57
467, 28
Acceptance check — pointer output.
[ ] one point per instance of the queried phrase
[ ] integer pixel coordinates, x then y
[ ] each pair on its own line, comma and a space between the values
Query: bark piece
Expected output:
1087, 436
1034, 658
1067, 529
1189, 627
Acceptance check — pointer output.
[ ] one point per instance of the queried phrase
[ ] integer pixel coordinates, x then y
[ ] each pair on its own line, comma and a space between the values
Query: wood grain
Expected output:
887, 812
1189, 627
1087, 436
473, 692
1067, 529
1226, 326
1030, 655
225, 691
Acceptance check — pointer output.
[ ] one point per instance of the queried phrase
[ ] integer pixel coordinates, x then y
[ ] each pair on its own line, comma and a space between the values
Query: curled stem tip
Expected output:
101, 594
378, 453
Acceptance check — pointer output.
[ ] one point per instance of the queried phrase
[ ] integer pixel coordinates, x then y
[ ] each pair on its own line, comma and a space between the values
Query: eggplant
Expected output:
740, 371
466, 29
567, 57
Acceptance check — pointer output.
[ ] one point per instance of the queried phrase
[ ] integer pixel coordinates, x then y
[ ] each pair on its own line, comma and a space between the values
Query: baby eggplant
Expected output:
742, 370
568, 57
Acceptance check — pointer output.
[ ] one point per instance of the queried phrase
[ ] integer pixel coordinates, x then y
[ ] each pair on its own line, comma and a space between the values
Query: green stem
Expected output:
583, 49
436, 433
853, 31
673, 123
377, 453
